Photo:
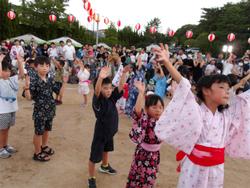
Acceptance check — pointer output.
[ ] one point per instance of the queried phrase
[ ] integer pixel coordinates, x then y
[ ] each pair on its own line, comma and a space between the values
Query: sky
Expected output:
172, 13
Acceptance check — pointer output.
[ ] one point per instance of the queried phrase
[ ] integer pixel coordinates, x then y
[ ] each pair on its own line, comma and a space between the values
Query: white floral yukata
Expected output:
185, 123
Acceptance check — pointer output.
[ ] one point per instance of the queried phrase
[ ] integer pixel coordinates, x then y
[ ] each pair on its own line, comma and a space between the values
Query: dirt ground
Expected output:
71, 138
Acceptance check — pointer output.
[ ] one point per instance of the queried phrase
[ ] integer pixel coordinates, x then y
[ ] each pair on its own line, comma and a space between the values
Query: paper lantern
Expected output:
248, 40
87, 6
171, 33
11, 15
85, 1
97, 17
91, 12
89, 19
119, 23
211, 37
52, 18
153, 29
71, 18
138, 27
231, 37
106, 21
189, 34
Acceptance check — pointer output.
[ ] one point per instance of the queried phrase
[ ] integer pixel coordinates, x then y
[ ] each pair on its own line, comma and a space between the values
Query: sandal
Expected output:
42, 157
47, 150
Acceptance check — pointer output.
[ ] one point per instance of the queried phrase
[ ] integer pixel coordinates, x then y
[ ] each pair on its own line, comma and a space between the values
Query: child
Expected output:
41, 88
204, 132
8, 102
59, 71
147, 154
84, 81
104, 106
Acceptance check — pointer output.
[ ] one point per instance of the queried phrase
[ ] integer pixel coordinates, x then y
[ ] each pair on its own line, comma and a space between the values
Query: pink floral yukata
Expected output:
185, 123
146, 160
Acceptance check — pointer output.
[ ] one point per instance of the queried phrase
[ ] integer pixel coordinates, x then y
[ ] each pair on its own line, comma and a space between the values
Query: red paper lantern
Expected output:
87, 6
119, 23
153, 30
89, 19
71, 18
52, 18
249, 41
211, 37
171, 33
138, 27
11, 15
91, 12
231, 37
106, 21
189, 34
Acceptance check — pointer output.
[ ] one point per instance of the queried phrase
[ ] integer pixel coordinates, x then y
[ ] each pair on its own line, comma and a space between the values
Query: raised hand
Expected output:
162, 53
104, 73
126, 69
140, 86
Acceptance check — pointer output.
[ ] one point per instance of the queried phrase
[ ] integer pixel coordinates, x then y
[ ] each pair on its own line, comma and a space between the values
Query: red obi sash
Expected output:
203, 156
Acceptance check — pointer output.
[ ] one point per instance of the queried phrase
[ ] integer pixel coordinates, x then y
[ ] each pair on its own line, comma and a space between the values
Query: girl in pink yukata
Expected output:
147, 155
207, 131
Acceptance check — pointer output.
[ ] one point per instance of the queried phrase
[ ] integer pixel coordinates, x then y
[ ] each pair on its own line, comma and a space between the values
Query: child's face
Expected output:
106, 90
218, 93
155, 111
43, 69
6, 74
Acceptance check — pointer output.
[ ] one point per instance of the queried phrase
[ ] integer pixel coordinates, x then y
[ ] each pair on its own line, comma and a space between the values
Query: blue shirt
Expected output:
160, 85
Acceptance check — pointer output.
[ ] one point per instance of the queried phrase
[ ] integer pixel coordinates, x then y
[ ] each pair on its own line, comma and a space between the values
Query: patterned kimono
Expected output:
145, 163
133, 92
185, 124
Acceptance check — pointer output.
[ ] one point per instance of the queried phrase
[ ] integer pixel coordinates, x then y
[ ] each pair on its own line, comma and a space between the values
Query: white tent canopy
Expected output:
102, 44
64, 39
27, 38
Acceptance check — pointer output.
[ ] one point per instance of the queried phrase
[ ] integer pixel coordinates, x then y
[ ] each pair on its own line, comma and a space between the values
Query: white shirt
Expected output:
16, 50
227, 68
69, 52
52, 52
8, 92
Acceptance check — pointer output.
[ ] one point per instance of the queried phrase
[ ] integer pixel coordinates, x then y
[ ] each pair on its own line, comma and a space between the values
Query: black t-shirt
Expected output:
106, 114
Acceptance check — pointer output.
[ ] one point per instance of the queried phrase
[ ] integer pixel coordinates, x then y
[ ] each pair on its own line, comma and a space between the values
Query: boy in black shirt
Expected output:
104, 106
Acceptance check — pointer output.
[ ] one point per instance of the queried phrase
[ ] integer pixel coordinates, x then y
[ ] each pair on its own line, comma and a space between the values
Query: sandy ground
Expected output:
71, 138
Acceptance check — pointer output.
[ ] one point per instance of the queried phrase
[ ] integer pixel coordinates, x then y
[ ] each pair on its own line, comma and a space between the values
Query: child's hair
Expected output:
41, 60
61, 62
86, 66
152, 100
30, 62
104, 81
184, 71
233, 79
207, 82
6, 63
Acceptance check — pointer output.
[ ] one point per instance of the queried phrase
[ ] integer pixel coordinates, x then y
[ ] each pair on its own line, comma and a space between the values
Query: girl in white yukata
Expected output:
204, 132
84, 81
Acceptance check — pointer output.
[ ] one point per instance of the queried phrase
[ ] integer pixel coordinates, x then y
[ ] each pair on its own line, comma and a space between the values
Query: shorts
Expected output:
42, 125
83, 89
100, 145
57, 87
7, 120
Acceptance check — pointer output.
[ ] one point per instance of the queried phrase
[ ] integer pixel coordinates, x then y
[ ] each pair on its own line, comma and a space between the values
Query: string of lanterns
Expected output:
93, 16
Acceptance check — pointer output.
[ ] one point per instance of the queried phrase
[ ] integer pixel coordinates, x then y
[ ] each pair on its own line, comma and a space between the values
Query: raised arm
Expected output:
1, 59
162, 55
104, 73
140, 98
123, 78
20, 62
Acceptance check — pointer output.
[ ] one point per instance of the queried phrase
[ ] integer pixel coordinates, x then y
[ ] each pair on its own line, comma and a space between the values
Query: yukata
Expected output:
133, 92
203, 137
146, 159
44, 104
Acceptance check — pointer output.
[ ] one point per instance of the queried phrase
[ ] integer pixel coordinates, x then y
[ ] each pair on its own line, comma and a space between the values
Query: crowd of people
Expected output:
207, 116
